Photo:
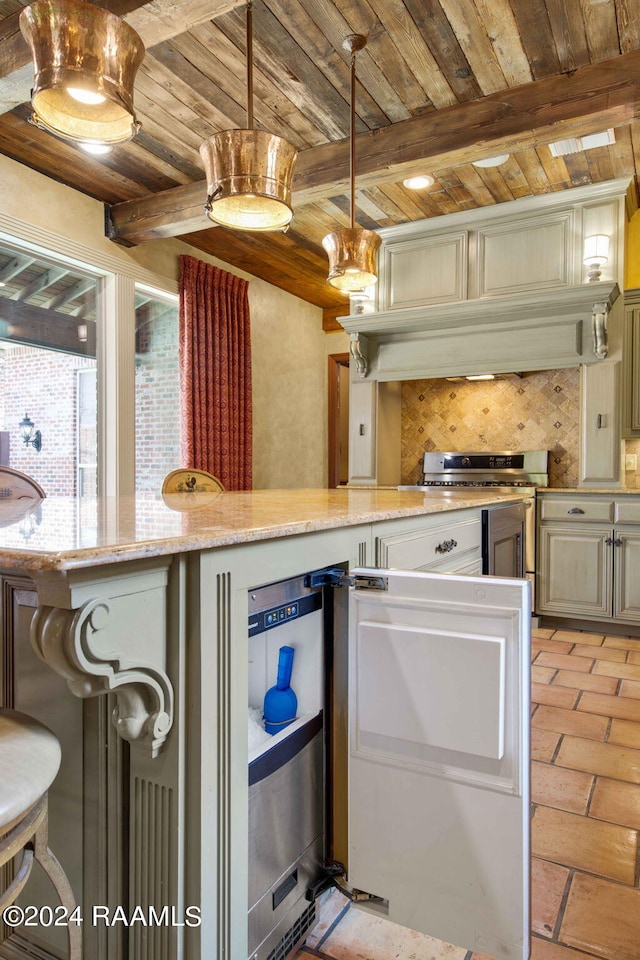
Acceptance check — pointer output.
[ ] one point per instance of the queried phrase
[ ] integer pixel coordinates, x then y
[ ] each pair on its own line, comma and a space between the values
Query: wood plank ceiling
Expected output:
441, 83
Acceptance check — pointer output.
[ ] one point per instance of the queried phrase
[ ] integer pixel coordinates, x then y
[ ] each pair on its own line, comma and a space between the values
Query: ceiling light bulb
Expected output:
491, 161
86, 96
418, 183
97, 149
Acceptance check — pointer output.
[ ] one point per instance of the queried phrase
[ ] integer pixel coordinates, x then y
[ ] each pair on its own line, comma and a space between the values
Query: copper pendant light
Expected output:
249, 172
352, 251
85, 61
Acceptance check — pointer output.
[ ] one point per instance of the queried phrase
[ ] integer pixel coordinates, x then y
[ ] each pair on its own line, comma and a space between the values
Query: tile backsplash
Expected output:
632, 477
540, 411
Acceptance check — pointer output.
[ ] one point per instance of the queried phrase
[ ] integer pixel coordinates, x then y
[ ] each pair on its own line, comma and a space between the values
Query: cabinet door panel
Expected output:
600, 457
575, 570
627, 578
439, 765
362, 431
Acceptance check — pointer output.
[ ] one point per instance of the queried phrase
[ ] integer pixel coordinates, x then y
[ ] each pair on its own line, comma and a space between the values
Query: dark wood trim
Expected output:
330, 316
336, 360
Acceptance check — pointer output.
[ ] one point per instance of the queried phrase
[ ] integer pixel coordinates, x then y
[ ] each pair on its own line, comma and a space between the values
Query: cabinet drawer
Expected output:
420, 548
576, 509
627, 511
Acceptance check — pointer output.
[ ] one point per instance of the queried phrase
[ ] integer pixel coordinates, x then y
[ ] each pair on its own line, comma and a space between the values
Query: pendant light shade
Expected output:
352, 251
249, 172
249, 175
85, 61
352, 258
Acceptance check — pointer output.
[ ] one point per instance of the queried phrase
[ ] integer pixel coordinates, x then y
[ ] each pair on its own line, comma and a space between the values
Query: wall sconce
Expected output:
596, 254
29, 435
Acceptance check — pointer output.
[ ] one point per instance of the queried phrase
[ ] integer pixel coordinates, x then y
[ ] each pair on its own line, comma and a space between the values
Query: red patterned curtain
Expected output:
215, 373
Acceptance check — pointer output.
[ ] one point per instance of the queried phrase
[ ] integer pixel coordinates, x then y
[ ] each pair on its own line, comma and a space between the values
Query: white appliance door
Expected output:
439, 755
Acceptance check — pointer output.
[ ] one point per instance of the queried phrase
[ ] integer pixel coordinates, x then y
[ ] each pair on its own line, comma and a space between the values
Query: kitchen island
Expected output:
139, 607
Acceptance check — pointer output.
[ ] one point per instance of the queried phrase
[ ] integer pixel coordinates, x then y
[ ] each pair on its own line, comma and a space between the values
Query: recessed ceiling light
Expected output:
562, 148
418, 183
97, 149
491, 161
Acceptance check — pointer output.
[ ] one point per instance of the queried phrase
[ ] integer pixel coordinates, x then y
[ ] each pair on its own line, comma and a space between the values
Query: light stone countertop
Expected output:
61, 533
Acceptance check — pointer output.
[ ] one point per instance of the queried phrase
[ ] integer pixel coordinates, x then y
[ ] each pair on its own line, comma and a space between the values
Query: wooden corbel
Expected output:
80, 645
358, 350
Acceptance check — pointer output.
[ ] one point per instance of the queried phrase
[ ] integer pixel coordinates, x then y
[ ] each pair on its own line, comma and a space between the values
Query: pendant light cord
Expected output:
250, 65
352, 137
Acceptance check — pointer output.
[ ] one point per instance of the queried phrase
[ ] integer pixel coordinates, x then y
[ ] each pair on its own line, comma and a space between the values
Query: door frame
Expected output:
336, 360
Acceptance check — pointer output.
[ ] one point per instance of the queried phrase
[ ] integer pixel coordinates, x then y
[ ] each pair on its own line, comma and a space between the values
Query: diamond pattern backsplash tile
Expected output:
632, 477
540, 411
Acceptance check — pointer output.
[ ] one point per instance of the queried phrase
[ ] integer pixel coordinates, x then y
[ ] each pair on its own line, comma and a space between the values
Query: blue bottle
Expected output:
280, 702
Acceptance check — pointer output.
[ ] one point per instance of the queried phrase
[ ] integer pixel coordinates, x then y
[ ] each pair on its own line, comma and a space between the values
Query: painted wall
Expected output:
632, 255
289, 348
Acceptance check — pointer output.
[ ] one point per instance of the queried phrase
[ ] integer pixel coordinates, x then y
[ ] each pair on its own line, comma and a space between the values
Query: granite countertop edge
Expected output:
205, 529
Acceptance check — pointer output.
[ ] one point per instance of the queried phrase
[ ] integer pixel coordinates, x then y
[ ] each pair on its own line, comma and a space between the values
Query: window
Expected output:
48, 315
86, 432
157, 388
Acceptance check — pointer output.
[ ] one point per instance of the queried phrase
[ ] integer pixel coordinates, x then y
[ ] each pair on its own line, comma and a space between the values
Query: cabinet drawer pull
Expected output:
446, 546
618, 542
575, 510
608, 541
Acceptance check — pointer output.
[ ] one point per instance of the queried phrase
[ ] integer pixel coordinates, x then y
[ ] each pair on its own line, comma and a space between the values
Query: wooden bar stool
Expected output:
29, 762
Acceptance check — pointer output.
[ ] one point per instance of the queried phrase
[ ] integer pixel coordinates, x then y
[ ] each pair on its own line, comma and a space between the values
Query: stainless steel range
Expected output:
505, 468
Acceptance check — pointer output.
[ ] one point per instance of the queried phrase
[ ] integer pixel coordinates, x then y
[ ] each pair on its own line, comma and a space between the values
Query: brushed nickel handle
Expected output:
446, 546
576, 510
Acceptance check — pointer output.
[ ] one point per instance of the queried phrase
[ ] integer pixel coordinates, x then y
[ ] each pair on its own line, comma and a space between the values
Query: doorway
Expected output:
338, 459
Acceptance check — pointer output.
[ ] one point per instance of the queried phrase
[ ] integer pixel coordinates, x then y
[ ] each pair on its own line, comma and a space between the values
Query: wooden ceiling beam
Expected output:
590, 99
155, 21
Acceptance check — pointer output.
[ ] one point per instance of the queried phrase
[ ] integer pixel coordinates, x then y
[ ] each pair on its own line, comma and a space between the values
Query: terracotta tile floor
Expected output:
585, 787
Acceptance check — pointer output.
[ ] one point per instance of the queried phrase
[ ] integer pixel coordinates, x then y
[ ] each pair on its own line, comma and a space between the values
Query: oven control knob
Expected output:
466, 462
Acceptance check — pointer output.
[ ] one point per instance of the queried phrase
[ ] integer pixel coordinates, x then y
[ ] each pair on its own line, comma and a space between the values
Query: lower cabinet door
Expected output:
626, 567
575, 570
438, 754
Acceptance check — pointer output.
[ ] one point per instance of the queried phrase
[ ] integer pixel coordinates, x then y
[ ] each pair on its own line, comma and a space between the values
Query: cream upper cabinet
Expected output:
520, 247
589, 557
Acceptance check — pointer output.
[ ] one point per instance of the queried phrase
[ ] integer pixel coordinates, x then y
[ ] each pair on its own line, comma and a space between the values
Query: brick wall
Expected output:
157, 396
43, 384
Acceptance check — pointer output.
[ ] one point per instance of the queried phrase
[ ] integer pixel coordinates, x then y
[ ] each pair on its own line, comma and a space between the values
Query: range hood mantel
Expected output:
546, 329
